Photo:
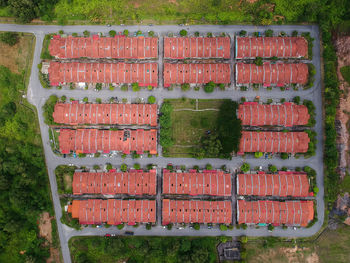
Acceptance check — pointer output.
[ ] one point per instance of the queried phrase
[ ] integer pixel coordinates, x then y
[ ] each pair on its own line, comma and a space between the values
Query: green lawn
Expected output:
143, 249
345, 71
64, 178
188, 126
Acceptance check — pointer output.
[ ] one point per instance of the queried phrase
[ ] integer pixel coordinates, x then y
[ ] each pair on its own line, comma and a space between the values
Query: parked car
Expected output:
129, 233
107, 235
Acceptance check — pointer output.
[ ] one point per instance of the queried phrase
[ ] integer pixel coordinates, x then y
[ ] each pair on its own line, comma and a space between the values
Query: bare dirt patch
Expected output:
67, 181
16, 57
342, 45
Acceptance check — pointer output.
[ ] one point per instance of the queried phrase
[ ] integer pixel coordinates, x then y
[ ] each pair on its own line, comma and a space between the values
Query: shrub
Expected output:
137, 166
74, 34
86, 99
272, 168
345, 72
98, 100
258, 61
221, 86
149, 226
296, 100
169, 226
269, 33
123, 167
209, 167
109, 166
98, 86
269, 101
151, 33
96, 167
196, 34
196, 226
151, 99
294, 33
223, 227
185, 87
270, 227
120, 226
242, 33
63, 98
112, 33
86, 33
245, 167
149, 87
48, 109
258, 155
9, 38
135, 87
124, 87
126, 32
209, 34
61, 32
209, 87
284, 156
183, 33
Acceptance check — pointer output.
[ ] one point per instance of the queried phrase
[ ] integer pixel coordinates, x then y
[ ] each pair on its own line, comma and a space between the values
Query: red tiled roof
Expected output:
134, 182
146, 74
193, 211
294, 184
114, 211
274, 142
196, 47
196, 73
93, 140
291, 213
286, 47
287, 114
104, 47
268, 74
122, 114
192, 183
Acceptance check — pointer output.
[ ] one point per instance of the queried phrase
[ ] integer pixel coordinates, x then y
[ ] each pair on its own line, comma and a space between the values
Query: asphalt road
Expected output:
38, 95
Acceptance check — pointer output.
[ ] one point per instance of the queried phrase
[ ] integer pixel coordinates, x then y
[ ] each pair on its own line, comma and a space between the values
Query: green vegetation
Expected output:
272, 168
112, 33
311, 109
269, 33
245, 167
312, 144
123, 167
137, 166
310, 44
9, 38
24, 186
198, 133
258, 155
126, 32
209, 87
151, 99
86, 33
258, 61
135, 87
48, 109
143, 249
311, 77
64, 178
345, 72
45, 54
183, 33
185, 87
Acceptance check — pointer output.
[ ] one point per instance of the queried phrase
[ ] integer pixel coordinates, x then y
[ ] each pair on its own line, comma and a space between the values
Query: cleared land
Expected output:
331, 246
191, 119
143, 249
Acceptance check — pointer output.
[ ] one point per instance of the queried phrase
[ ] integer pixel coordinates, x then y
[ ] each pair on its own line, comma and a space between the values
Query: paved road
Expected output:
37, 96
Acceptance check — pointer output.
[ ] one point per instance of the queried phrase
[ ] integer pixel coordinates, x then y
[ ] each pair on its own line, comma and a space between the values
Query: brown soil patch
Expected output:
16, 57
45, 229
67, 181
54, 256
342, 45
173, 2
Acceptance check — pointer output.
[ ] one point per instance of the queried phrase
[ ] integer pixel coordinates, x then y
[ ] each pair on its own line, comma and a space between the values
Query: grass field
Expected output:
345, 71
143, 249
189, 124
64, 178
331, 246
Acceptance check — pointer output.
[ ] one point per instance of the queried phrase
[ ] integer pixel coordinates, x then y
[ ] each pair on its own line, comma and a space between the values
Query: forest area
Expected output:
24, 186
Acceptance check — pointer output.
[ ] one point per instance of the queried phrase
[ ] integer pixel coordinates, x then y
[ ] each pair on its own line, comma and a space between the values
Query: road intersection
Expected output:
37, 95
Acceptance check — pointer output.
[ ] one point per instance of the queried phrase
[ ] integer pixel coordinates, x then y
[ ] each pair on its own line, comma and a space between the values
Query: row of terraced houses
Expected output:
174, 72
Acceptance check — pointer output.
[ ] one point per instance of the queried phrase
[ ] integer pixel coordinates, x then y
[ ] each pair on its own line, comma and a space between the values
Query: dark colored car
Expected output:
129, 233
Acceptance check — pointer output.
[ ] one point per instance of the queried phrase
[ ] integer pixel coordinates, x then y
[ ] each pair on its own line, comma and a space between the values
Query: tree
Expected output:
109, 166
149, 226
296, 100
272, 168
196, 34
270, 227
86, 33
48, 109
24, 10
112, 33
151, 33
258, 61
209, 167
169, 226
269, 33
258, 154
223, 227
123, 167
137, 166
98, 86
151, 99
63, 98
185, 87
210, 146
135, 87
209, 87
183, 33
245, 167
126, 32
242, 33
86, 100
284, 156
96, 167
196, 226
10, 38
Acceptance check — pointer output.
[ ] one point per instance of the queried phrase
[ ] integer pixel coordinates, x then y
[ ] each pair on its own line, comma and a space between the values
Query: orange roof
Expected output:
74, 209
194, 211
146, 74
290, 213
284, 184
133, 182
269, 74
216, 183
122, 114
104, 47
196, 73
197, 47
287, 114
286, 47
274, 142
93, 140
115, 212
